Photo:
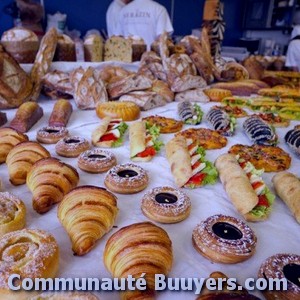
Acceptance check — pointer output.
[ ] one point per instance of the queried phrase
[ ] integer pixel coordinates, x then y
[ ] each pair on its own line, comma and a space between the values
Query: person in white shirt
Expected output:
112, 16
146, 19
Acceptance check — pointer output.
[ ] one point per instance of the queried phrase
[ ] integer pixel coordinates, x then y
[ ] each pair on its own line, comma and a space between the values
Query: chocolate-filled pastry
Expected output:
3, 118
292, 138
190, 113
72, 146
9, 137
26, 116
126, 179
166, 205
96, 161
224, 239
221, 121
51, 135
282, 266
21, 158
61, 113
260, 132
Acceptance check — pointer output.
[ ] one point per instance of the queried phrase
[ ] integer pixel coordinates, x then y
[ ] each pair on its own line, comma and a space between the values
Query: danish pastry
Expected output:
21, 158
30, 253
72, 146
282, 266
224, 239
87, 213
61, 113
49, 180
166, 205
136, 249
9, 138
51, 135
12, 213
96, 161
126, 179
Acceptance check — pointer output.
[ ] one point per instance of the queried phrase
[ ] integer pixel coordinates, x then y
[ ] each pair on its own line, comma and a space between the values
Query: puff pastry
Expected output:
49, 180
87, 213
21, 158
12, 213
136, 249
9, 138
61, 113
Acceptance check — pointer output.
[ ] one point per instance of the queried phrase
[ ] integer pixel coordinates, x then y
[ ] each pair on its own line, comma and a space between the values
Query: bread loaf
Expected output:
93, 48
118, 48
65, 49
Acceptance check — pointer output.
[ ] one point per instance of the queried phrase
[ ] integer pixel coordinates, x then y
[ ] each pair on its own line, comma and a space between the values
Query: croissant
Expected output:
8, 139
21, 158
136, 249
49, 180
87, 213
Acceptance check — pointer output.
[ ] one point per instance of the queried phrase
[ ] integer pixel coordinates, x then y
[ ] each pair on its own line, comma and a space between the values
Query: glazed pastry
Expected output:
292, 138
21, 158
3, 118
30, 253
127, 111
190, 113
260, 132
96, 161
51, 135
26, 116
72, 146
9, 138
87, 213
136, 249
287, 187
282, 266
61, 113
110, 133
49, 180
221, 121
65, 296
126, 179
166, 205
224, 239
12, 213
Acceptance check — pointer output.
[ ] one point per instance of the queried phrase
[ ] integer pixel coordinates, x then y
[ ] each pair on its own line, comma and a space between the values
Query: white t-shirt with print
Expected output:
293, 54
145, 18
112, 17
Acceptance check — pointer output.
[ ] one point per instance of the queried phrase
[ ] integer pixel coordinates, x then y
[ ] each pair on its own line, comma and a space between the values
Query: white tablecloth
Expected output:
279, 234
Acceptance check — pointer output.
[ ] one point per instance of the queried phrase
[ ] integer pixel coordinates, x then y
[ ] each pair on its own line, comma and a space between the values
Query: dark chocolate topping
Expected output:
127, 173
227, 231
166, 198
292, 273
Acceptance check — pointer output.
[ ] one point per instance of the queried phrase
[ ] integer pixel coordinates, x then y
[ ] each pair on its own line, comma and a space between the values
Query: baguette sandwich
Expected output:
110, 133
290, 113
144, 142
189, 167
245, 187
235, 101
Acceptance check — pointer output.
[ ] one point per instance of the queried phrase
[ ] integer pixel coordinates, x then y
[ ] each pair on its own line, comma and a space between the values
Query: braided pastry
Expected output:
136, 249
21, 158
12, 213
87, 213
29, 253
49, 180
8, 139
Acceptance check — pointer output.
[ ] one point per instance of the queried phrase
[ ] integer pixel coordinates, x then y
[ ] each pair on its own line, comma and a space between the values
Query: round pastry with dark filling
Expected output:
96, 161
282, 266
72, 146
51, 134
166, 205
126, 179
224, 239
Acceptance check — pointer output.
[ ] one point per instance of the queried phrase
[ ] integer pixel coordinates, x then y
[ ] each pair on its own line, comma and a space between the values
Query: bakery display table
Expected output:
279, 234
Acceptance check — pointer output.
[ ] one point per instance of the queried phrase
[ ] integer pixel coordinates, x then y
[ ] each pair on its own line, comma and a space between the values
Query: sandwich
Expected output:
110, 133
290, 112
235, 101
144, 142
245, 187
189, 167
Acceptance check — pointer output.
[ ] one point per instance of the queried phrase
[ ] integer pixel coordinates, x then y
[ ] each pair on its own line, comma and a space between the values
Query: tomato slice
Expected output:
108, 137
257, 184
263, 201
149, 151
196, 165
243, 164
196, 179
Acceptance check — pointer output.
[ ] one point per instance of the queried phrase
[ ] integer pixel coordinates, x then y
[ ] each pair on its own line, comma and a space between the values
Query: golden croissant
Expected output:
8, 139
49, 180
87, 213
21, 158
136, 249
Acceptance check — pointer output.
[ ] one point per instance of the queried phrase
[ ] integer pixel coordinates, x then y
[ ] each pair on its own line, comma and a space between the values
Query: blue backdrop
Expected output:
86, 14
